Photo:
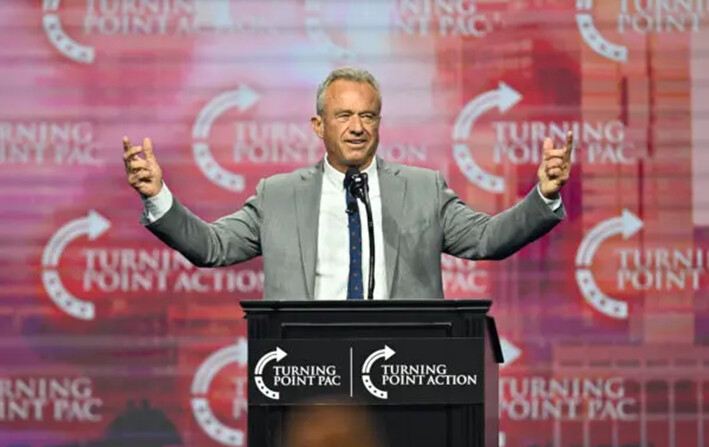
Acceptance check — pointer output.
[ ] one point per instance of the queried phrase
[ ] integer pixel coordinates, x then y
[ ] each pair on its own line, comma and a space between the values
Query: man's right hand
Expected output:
144, 173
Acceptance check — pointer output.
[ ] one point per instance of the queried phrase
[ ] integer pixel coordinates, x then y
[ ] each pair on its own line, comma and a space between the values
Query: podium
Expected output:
426, 370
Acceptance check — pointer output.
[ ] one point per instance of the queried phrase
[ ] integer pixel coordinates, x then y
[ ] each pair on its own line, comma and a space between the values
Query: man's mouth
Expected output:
356, 142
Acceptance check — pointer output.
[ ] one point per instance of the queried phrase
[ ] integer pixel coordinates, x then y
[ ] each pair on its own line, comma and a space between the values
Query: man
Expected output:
313, 248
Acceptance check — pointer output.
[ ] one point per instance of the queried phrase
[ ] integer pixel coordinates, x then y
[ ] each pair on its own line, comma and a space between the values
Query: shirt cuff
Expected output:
155, 207
554, 204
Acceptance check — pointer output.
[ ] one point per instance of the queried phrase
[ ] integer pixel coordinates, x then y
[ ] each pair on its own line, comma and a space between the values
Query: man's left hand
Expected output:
555, 169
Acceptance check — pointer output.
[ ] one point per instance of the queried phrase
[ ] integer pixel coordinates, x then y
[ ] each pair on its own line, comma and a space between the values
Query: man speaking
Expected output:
312, 225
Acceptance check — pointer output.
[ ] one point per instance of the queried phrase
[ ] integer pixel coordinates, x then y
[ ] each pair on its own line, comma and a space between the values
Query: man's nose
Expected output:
356, 125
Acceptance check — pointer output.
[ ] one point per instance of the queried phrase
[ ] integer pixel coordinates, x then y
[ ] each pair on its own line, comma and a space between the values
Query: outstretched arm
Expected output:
229, 240
474, 235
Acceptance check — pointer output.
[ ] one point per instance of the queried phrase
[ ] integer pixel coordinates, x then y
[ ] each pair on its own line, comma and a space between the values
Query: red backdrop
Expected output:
604, 322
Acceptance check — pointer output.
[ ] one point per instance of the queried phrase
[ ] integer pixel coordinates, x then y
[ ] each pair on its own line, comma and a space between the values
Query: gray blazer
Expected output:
421, 218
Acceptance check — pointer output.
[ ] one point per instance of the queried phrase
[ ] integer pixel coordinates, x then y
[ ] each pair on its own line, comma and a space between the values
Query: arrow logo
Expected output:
241, 99
215, 429
386, 354
504, 98
66, 45
93, 226
278, 354
593, 37
626, 224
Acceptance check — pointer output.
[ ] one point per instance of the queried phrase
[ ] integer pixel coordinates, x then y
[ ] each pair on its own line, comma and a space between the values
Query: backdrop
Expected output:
107, 337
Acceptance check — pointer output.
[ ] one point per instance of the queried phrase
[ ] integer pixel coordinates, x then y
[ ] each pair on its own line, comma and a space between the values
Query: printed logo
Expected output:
126, 270
240, 100
422, 370
277, 354
502, 99
408, 374
450, 18
201, 408
120, 18
520, 143
655, 271
385, 354
51, 142
417, 18
627, 225
639, 17
60, 399
93, 225
60, 39
279, 380
539, 398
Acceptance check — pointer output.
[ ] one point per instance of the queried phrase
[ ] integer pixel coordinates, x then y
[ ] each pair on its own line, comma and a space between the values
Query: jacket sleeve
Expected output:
229, 240
475, 235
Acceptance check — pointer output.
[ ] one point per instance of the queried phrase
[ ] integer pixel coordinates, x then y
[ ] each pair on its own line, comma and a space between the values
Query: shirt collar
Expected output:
337, 178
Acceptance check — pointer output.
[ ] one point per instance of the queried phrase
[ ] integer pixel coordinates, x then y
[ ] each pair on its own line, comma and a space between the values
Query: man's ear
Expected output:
317, 124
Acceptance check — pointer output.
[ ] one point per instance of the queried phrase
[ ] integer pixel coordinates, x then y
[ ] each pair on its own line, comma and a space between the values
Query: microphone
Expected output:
357, 185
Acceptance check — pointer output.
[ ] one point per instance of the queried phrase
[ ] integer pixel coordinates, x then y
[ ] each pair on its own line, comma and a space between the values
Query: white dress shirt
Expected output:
333, 260
333, 257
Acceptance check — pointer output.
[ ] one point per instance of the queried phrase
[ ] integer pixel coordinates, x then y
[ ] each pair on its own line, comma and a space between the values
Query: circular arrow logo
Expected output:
278, 354
241, 99
626, 224
66, 45
386, 354
503, 98
93, 226
593, 38
201, 410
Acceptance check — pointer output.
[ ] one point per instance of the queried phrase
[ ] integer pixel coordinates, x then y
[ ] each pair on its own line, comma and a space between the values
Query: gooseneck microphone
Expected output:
356, 183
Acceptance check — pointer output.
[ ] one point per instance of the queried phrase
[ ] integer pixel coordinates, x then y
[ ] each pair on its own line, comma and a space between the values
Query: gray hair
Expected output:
348, 74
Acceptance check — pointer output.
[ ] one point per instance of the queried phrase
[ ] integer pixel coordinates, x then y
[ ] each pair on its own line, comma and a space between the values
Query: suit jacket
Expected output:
421, 218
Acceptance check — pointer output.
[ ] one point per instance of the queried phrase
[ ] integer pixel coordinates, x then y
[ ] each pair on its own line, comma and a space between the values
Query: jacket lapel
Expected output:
307, 205
393, 191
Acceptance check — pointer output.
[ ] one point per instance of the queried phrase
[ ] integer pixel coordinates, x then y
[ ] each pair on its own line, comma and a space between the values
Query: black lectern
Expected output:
426, 369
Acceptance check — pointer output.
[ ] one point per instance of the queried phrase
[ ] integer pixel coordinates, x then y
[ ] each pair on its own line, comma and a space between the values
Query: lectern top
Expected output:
397, 305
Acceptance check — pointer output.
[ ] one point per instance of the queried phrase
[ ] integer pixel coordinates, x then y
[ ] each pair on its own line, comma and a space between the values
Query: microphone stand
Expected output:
360, 189
370, 227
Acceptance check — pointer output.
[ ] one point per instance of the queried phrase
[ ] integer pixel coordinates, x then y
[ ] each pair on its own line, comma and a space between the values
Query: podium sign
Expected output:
425, 370
373, 370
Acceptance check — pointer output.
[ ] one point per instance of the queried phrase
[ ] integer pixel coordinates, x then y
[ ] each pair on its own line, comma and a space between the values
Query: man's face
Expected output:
349, 126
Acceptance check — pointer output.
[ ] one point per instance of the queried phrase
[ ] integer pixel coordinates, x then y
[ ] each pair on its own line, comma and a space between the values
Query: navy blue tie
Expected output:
354, 281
